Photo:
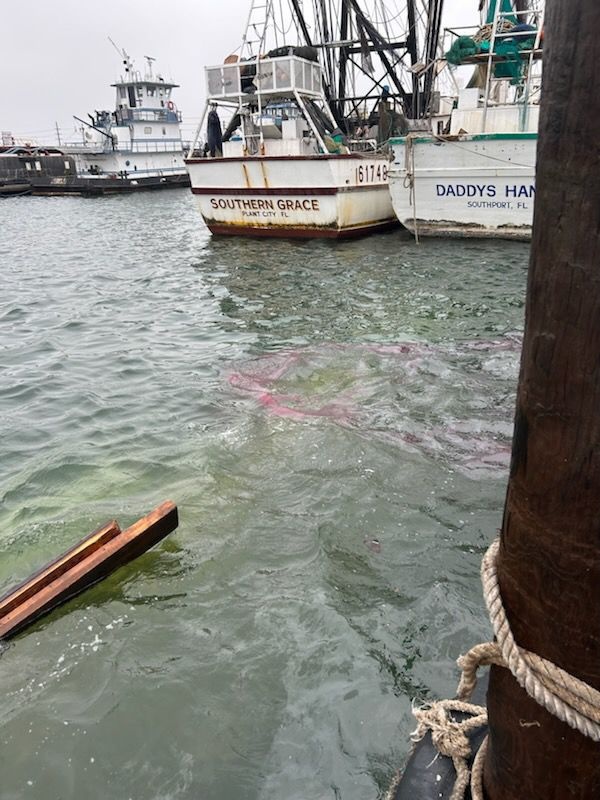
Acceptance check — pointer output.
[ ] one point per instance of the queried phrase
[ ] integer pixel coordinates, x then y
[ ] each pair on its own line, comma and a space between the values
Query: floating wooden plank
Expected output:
86, 563
23, 591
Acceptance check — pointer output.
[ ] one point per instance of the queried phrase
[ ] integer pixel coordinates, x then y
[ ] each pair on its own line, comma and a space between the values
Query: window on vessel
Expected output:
316, 78
307, 83
147, 129
215, 81
38, 166
67, 165
151, 91
122, 91
28, 165
282, 73
265, 79
140, 91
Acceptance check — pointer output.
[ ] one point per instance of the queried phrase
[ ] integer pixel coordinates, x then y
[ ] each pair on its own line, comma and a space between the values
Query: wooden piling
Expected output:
549, 560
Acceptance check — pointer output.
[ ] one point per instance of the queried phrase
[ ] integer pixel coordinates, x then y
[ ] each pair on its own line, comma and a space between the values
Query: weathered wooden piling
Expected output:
549, 560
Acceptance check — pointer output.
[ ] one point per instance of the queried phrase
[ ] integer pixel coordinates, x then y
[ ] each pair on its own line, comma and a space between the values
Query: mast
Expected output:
382, 47
343, 58
411, 47
549, 559
301, 23
434, 24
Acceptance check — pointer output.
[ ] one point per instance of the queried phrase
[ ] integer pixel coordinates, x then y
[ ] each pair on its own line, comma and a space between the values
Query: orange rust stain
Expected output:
265, 179
246, 176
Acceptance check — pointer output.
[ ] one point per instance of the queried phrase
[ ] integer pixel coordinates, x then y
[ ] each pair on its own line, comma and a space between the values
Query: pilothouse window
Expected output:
151, 91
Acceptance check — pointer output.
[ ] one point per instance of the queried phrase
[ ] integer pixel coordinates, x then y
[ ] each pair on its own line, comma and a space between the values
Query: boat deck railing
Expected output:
148, 115
153, 147
509, 57
267, 77
362, 145
124, 147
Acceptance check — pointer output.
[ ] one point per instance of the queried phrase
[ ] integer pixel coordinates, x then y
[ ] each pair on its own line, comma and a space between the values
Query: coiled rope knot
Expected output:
448, 735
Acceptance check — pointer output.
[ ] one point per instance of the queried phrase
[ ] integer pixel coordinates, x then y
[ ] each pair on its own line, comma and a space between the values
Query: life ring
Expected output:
171, 105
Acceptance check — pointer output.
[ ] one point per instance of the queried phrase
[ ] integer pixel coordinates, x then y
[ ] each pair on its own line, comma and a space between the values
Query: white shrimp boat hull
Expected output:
471, 185
305, 195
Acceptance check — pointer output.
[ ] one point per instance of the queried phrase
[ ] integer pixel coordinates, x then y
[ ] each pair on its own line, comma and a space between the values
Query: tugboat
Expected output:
304, 152
137, 146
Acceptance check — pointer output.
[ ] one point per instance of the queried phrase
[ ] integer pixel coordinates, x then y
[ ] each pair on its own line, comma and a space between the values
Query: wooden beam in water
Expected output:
23, 591
86, 563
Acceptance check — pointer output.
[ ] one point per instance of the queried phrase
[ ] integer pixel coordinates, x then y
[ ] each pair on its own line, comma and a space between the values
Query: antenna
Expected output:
149, 59
122, 52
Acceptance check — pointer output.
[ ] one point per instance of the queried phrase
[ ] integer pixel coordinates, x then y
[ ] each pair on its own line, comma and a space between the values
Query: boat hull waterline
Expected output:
298, 196
479, 185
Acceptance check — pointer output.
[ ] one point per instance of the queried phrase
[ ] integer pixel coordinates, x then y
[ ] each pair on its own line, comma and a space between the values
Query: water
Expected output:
333, 421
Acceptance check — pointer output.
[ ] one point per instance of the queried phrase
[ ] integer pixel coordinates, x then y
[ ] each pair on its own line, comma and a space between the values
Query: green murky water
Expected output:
333, 421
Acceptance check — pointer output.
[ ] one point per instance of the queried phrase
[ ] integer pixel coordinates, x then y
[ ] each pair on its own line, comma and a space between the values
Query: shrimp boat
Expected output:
302, 152
475, 175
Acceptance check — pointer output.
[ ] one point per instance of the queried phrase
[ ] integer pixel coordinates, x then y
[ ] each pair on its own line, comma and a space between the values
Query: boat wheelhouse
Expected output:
476, 176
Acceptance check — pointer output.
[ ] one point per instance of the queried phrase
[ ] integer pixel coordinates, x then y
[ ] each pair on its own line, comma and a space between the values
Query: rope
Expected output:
569, 699
409, 180
450, 737
484, 34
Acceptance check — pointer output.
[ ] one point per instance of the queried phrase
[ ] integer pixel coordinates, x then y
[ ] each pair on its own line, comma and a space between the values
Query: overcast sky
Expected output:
56, 60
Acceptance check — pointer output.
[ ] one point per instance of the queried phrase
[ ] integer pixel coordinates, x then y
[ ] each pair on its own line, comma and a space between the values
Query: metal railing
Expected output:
146, 115
264, 76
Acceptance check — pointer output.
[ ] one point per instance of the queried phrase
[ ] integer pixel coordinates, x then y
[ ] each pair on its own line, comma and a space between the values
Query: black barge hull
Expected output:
95, 187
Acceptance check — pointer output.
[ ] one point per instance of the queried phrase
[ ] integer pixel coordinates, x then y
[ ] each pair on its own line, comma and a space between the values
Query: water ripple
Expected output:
333, 420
